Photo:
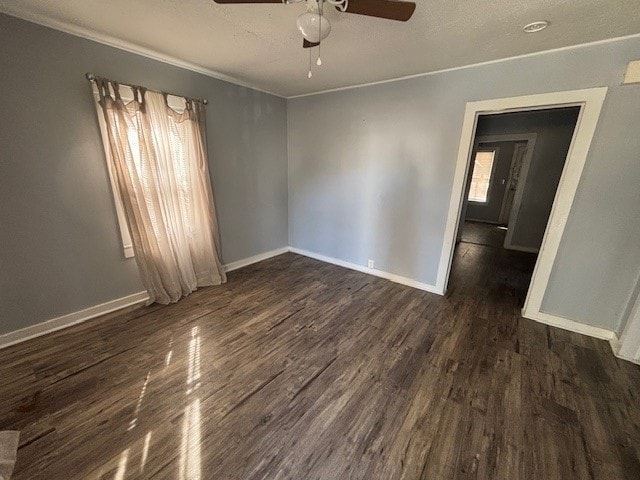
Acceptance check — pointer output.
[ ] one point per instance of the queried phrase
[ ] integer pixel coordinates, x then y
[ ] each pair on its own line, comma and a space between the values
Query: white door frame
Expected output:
628, 347
590, 100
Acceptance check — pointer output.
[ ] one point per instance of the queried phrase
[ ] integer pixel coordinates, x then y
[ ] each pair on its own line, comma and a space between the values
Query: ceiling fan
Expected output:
315, 27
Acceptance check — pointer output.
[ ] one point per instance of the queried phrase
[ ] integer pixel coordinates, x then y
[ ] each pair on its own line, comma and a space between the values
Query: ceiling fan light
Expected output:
313, 26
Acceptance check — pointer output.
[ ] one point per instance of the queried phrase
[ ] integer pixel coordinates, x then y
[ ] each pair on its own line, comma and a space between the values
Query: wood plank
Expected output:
299, 369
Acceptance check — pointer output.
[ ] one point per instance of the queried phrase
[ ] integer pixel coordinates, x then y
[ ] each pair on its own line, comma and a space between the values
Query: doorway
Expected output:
590, 102
510, 188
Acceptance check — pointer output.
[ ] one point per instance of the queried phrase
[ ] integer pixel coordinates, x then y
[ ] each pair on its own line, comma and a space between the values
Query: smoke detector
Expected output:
534, 27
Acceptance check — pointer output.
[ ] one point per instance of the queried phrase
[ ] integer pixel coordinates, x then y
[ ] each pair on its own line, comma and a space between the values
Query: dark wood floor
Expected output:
298, 369
483, 234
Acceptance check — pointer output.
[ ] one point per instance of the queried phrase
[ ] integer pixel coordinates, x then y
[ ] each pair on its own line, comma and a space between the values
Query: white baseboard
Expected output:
570, 325
70, 319
488, 222
229, 267
74, 318
80, 316
628, 359
518, 248
371, 271
615, 346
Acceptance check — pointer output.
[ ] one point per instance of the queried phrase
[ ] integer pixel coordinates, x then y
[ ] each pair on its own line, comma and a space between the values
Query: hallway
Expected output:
481, 263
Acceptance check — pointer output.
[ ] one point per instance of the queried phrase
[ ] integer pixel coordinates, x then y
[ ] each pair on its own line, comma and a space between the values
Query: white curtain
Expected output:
159, 158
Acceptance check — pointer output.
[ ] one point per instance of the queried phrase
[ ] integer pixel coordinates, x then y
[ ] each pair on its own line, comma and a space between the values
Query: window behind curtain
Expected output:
176, 104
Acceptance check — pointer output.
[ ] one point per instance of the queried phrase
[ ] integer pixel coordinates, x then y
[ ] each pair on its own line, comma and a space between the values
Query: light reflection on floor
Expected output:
145, 451
167, 359
132, 423
190, 467
122, 465
193, 372
190, 462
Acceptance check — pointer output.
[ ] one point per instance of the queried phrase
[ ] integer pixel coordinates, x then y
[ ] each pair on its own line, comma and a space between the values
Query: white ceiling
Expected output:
258, 45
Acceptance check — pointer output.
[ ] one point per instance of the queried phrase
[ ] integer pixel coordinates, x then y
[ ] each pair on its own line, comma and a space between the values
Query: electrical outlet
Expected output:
370, 264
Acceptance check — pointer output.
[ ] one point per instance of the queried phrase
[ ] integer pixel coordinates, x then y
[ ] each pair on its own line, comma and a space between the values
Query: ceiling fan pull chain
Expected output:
309, 75
319, 61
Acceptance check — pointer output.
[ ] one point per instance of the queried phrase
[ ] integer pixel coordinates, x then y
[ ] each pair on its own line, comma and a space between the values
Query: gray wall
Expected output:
490, 211
555, 130
371, 171
61, 250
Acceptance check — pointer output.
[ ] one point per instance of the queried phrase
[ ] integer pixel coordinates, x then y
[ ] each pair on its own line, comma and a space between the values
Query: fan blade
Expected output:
392, 10
307, 44
246, 1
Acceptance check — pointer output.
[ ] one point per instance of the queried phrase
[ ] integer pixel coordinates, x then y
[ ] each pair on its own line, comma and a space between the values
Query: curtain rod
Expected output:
92, 78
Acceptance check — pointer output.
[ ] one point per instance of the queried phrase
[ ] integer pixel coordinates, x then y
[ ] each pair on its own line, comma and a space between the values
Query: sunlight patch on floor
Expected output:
145, 451
190, 462
193, 373
122, 465
133, 422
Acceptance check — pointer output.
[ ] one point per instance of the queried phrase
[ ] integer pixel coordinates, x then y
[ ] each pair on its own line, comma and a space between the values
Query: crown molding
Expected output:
472, 65
155, 55
125, 45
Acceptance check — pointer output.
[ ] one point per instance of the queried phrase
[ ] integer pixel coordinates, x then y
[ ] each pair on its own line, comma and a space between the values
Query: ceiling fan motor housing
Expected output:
313, 26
